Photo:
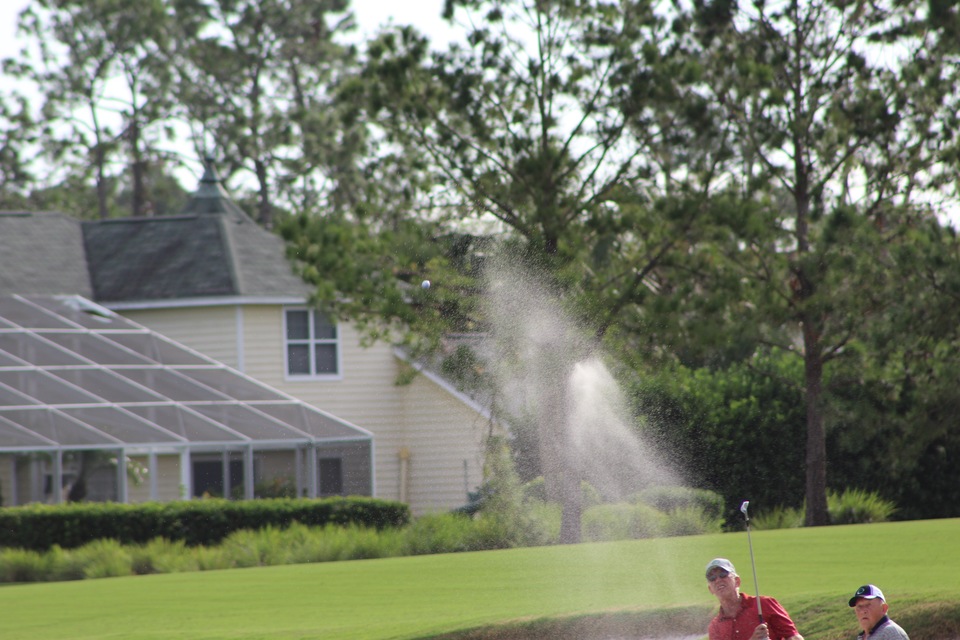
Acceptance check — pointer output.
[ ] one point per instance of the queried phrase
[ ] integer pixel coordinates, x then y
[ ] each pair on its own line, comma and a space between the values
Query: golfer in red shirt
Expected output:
738, 618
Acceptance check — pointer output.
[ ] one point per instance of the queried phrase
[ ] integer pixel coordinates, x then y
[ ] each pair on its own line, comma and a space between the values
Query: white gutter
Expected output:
218, 301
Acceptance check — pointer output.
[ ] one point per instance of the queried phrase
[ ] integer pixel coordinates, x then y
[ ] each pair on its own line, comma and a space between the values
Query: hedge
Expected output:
196, 522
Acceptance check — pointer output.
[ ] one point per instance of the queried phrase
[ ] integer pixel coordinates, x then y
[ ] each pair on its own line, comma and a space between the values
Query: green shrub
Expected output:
621, 521
104, 559
212, 558
544, 521
143, 560
251, 548
606, 522
246, 548
438, 533
162, 556
589, 495
196, 522
502, 519
690, 521
21, 565
324, 544
338, 543
669, 499
536, 490
852, 506
301, 544
856, 506
360, 543
485, 533
778, 518
64, 565
449, 533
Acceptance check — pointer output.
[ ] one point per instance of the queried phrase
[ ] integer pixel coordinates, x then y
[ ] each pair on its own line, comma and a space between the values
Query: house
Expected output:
82, 389
213, 280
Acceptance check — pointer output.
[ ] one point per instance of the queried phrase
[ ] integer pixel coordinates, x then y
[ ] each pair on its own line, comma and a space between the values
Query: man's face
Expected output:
869, 611
721, 582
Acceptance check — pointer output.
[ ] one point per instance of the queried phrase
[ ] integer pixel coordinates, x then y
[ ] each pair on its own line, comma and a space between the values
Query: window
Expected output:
331, 476
208, 478
313, 347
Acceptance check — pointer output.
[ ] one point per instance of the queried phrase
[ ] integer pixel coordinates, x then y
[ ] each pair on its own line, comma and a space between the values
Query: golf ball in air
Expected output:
425, 284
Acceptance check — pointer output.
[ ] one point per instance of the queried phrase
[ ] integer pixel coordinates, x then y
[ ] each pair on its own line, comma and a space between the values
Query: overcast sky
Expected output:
370, 14
423, 14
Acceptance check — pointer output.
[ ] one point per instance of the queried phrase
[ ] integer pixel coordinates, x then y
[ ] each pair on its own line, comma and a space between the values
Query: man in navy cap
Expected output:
738, 618
871, 608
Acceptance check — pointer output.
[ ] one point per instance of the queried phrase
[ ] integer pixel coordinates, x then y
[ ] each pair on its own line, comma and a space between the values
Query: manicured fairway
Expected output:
420, 596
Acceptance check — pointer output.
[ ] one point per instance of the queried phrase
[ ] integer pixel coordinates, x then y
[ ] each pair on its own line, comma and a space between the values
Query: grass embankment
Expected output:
649, 587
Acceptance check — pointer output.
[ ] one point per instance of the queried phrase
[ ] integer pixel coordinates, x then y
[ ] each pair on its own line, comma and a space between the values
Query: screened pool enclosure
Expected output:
95, 406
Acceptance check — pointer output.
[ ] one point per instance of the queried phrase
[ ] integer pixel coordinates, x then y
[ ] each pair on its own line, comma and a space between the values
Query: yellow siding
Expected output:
442, 434
168, 480
278, 465
445, 439
209, 330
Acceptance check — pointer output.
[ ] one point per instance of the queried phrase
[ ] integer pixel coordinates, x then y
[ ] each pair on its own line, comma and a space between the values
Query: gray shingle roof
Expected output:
42, 253
158, 258
213, 249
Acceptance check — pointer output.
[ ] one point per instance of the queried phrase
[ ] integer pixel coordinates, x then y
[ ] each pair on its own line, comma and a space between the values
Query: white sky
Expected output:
370, 15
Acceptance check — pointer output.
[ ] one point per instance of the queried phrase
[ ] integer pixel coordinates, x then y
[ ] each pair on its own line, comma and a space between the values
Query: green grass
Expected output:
811, 571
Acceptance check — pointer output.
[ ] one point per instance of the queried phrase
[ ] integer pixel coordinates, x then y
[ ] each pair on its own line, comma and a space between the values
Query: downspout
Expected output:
404, 455
154, 479
238, 327
123, 490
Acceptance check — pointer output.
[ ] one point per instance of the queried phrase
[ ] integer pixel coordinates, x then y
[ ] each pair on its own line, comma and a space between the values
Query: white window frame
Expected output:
311, 341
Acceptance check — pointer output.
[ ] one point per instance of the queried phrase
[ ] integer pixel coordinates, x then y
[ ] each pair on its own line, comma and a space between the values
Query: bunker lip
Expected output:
687, 623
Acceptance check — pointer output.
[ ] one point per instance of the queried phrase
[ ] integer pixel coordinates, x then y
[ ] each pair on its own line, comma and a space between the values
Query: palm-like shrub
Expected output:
778, 517
851, 506
856, 506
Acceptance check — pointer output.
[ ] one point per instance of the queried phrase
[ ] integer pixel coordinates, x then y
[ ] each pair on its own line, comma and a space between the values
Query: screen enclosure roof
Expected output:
75, 375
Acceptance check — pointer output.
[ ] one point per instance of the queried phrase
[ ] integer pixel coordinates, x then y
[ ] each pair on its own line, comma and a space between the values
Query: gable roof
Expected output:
42, 252
213, 249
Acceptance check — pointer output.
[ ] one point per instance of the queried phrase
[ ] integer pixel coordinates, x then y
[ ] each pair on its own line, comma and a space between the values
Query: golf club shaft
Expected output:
753, 563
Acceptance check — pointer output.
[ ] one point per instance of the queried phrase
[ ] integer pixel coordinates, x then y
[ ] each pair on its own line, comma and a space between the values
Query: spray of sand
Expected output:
549, 370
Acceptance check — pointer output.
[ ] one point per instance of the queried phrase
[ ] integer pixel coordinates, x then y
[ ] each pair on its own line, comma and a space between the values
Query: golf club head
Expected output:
743, 507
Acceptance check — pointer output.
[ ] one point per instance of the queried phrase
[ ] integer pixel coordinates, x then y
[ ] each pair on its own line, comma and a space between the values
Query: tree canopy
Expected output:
749, 196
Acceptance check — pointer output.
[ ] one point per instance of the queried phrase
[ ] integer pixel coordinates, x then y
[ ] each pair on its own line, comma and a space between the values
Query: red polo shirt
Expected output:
742, 626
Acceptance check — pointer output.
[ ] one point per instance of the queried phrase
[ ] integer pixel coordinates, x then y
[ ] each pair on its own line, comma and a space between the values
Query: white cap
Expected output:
721, 563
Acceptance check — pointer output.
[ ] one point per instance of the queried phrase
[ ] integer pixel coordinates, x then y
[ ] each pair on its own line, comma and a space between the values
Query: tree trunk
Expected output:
561, 477
139, 169
816, 460
572, 506
101, 184
265, 213
816, 455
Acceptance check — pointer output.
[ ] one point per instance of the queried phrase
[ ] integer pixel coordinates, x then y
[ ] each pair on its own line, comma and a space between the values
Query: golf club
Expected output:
756, 585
